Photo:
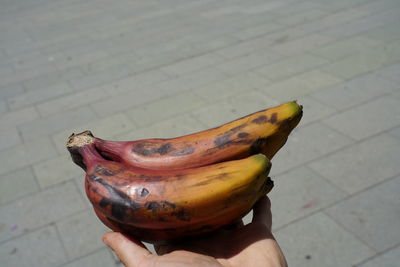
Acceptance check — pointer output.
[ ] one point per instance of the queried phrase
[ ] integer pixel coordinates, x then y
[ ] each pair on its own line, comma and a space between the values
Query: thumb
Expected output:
130, 252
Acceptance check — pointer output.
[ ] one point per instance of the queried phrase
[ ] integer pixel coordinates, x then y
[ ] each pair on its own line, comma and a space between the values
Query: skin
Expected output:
236, 245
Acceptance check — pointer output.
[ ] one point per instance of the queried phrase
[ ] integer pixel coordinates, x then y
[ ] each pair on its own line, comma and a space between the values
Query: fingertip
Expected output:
106, 237
111, 238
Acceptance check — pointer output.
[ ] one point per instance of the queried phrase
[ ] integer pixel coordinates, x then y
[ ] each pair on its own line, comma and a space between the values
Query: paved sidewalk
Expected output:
140, 69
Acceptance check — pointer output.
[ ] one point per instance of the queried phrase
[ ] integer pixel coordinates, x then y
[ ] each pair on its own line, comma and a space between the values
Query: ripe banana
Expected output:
263, 132
156, 206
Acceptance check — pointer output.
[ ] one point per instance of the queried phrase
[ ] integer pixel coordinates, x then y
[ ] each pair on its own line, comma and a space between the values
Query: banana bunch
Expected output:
165, 189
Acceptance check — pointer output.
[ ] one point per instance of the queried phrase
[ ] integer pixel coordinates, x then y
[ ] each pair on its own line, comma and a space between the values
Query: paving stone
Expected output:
247, 80
292, 8
318, 241
37, 249
81, 234
189, 81
383, 114
9, 137
125, 101
17, 184
25, 154
215, 43
56, 122
100, 258
18, 117
26, 74
3, 107
44, 80
346, 47
169, 128
395, 132
6, 69
372, 215
164, 108
151, 92
299, 193
314, 110
233, 108
307, 143
101, 77
396, 94
338, 17
36, 96
302, 44
248, 62
365, 61
256, 31
28, 60
109, 62
7, 91
69, 73
80, 184
70, 58
385, 33
300, 85
56, 170
390, 258
300, 17
71, 101
192, 64
152, 61
361, 165
135, 82
37, 210
380, 6
290, 66
249, 46
104, 128
251, 101
355, 91
364, 24
236, 84
392, 72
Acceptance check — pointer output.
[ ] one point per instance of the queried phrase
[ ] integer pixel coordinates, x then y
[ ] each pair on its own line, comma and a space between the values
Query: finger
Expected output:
131, 252
262, 212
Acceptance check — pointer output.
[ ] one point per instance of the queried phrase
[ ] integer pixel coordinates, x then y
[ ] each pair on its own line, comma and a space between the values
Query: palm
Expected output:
250, 245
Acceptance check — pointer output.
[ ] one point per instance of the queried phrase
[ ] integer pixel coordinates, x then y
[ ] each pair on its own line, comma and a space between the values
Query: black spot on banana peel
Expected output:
148, 149
274, 118
119, 201
243, 135
260, 120
234, 140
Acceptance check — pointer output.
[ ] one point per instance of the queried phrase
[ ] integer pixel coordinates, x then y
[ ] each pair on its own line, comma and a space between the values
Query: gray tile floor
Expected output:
137, 69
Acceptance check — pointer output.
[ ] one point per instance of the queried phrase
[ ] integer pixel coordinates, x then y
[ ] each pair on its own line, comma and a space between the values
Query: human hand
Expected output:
237, 245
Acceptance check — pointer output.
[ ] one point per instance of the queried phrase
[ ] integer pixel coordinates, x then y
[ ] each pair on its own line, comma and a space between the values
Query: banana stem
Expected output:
110, 149
82, 149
